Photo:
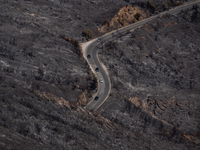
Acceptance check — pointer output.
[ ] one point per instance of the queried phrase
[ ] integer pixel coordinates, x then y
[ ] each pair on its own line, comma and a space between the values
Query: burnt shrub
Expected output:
76, 44
169, 2
197, 134
23, 129
87, 34
151, 6
178, 2
137, 16
165, 6
121, 21
141, 4
71, 40
40, 72
195, 14
106, 23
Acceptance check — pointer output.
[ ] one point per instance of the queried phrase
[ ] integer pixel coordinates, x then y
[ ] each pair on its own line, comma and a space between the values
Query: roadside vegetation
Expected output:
87, 34
137, 16
106, 22
151, 6
165, 6
120, 20
71, 40
75, 43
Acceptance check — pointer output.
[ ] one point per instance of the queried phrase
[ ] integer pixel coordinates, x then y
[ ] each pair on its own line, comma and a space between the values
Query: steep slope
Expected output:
155, 79
44, 79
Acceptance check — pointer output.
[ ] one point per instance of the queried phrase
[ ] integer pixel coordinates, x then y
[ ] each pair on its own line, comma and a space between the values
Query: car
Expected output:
101, 80
96, 98
99, 39
88, 56
97, 69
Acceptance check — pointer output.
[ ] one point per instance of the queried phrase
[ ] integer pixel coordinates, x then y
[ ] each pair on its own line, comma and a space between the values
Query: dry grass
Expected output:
59, 100
170, 24
71, 40
189, 137
82, 99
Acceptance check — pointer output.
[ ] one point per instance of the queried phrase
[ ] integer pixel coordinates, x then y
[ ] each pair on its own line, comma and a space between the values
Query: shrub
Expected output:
151, 6
169, 2
106, 22
71, 40
134, 20
178, 3
197, 134
137, 16
165, 6
87, 33
194, 16
141, 4
121, 21
75, 42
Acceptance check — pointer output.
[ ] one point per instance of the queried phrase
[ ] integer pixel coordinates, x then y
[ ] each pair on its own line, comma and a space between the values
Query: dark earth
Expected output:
45, 81
155, 76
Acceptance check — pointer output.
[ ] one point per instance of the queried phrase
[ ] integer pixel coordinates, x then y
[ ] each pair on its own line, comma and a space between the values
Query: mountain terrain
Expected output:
45, 82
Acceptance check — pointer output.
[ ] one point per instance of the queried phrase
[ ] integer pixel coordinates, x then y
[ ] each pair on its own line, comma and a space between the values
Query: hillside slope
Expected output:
44, 81
155, 76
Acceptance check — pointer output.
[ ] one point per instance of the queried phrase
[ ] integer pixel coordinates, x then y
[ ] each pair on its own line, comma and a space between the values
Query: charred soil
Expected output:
44, 80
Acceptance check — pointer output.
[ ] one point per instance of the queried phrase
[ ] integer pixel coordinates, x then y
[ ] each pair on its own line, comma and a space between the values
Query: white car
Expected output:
101, 80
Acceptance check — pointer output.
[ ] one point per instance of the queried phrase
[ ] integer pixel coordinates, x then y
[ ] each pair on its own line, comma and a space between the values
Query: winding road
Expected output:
91, 48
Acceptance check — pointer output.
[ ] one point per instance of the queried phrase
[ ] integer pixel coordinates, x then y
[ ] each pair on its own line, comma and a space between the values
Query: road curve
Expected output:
91, 48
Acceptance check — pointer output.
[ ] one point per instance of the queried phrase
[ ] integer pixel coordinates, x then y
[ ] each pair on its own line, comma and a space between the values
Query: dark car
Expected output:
88, 56
96, 98
99, 39
97, 69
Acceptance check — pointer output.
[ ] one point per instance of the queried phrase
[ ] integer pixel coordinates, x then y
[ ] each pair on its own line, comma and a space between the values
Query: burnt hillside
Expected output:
44, 80
155, 76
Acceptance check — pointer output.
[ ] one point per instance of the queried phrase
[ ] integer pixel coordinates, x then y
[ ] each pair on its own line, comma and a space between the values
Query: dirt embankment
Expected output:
126, 15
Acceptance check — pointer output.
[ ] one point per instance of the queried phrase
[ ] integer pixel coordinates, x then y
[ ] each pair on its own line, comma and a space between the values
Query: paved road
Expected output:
92, 50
